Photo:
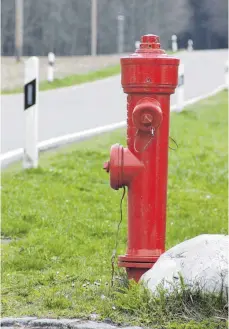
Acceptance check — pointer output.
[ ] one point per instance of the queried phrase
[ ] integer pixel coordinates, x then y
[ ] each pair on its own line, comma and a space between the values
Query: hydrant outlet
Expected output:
123, 166
147, 114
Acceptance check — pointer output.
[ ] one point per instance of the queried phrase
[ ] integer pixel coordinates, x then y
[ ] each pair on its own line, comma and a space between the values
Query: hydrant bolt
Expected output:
147, 119
106, 166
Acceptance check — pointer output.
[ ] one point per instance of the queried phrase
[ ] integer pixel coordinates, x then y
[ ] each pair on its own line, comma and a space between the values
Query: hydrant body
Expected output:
148, 77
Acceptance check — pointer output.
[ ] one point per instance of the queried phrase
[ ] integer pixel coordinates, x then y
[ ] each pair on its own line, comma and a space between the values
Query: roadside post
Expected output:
51, 62
180, 89
227, 74
190, 45
137, 44
174, 43
31, 82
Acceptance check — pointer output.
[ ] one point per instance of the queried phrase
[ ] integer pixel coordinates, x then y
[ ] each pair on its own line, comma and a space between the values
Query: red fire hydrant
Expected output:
149, 76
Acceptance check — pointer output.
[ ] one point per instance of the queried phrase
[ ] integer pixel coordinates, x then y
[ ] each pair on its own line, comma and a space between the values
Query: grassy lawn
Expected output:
63, 217
73, 79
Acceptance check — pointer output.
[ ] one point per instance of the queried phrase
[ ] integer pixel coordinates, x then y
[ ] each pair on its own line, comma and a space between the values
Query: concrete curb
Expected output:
33, 322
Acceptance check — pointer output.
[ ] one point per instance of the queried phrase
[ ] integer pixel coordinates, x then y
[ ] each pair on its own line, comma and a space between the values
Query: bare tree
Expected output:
217, 11
7, 26
209, 23
168, 18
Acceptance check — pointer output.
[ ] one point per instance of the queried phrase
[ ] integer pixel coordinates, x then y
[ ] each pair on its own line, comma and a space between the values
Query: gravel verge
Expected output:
12, 72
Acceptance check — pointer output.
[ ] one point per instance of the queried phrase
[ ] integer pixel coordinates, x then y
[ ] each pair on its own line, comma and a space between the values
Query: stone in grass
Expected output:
11, 322
202, 262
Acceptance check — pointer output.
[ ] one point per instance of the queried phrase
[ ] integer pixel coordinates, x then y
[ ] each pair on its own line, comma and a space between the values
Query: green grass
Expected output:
63, 218
72, 79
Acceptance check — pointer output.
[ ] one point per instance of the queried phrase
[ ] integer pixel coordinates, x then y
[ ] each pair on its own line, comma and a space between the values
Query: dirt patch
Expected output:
12, 73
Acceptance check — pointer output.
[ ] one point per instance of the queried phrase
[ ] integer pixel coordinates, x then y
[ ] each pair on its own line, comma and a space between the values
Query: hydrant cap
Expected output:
150, 38
150, 42
149, 70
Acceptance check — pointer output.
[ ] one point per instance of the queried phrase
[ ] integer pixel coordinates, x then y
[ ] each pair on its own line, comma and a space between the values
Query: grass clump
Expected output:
180, 309
63, 217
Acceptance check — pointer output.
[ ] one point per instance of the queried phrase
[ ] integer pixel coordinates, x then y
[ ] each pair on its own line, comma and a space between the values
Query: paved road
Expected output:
101, 102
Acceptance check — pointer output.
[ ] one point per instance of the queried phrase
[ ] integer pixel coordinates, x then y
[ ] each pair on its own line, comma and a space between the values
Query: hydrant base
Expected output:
141, 259
135, 270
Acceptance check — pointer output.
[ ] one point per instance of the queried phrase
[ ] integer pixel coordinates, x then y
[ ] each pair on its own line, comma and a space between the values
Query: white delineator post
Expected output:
51, 62
190, 45
174, 43
30, 157
180, 89
227, 75
137, 44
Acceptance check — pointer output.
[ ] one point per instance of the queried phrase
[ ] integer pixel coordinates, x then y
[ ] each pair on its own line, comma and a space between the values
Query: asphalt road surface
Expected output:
87, 106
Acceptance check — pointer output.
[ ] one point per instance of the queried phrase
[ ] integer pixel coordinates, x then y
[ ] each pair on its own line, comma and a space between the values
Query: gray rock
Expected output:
131, 328
54, 323
201, 261
46, 323
94, 325
8, 322
35, 323
94, 316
